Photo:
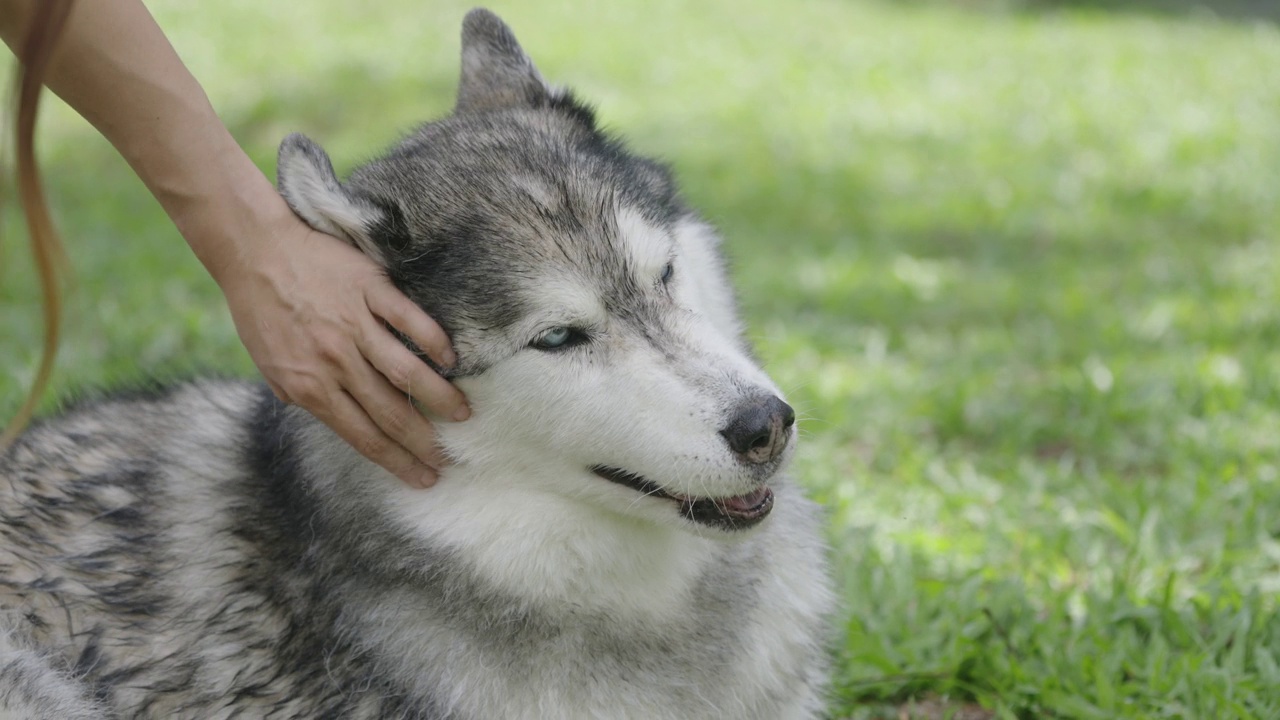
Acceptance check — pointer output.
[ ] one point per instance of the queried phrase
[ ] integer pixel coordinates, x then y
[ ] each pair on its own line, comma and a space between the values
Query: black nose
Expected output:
758, 430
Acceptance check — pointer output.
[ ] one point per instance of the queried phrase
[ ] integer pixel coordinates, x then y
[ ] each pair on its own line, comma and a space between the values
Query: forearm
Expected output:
116, 68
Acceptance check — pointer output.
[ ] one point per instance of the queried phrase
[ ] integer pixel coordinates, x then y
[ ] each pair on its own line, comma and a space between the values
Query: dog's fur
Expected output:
204, 551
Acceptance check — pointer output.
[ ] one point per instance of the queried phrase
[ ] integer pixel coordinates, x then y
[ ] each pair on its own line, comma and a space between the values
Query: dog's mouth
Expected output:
731, 513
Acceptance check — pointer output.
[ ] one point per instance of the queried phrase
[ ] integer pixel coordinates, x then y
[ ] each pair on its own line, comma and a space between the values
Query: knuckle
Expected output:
306, 390
374, 446
382, 303
394, 313
331, 347
402, 375
395, 421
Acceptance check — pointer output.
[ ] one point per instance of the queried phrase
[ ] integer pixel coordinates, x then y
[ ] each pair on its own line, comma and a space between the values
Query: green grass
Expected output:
1018, 270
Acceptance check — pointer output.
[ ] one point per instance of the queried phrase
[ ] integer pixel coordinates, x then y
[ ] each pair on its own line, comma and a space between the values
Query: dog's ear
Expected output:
496, 73
306, 179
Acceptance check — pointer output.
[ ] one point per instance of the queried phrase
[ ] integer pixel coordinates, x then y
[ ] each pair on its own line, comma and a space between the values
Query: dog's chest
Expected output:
746, 644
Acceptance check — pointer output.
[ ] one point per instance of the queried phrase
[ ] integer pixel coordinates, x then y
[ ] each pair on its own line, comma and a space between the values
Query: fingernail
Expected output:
463, 413
426, 478
449, 357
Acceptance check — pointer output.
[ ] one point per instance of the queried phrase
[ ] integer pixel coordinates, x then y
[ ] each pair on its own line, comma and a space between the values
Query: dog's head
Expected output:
596, 337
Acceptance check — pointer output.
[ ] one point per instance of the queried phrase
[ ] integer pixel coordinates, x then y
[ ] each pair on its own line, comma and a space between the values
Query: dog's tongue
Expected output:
746, 503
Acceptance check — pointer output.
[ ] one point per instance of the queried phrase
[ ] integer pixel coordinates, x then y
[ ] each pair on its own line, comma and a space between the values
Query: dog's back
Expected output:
146, 561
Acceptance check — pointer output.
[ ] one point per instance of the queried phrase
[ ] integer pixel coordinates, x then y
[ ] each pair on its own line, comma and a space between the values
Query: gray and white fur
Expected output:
616, 537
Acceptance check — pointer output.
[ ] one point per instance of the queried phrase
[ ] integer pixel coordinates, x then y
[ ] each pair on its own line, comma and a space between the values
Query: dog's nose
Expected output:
758, 431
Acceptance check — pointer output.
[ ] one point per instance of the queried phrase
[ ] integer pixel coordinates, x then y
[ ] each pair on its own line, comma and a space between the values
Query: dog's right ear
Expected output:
305, 177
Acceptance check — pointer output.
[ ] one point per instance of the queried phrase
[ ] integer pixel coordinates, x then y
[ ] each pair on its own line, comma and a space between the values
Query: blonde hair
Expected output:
34, 55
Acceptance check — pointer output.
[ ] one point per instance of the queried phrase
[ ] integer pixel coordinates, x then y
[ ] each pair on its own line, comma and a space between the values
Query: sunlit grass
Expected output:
1017, 272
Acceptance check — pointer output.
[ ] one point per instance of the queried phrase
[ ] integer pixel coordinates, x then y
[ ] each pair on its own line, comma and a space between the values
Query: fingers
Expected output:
345, 415
391, 305
413, 377
394, 414
401, 367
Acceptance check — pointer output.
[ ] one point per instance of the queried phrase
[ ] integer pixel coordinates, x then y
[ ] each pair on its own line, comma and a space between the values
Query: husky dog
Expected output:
614, 538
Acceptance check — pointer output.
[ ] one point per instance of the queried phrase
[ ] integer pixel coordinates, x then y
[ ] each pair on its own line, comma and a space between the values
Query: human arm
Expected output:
308, 307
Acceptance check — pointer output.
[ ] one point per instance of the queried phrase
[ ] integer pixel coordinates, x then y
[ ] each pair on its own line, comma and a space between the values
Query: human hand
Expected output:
310, 310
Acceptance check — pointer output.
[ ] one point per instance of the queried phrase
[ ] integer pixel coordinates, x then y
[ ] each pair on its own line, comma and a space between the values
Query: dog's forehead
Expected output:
587, 238
538, 185
530, 163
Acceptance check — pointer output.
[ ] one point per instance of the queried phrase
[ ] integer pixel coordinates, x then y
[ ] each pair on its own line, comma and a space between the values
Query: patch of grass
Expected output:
1017, 271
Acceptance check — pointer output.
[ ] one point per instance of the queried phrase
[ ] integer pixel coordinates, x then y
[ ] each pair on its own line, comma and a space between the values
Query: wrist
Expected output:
228, 212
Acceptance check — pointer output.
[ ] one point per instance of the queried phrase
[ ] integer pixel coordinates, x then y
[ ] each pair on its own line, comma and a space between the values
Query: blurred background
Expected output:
1015, 263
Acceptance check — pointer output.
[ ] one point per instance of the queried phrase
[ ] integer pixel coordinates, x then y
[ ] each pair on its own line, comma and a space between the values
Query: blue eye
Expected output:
559, 337
553, 338
667, 272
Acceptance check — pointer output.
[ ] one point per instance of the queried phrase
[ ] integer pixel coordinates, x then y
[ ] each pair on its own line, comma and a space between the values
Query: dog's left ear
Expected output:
496, 73
305, 177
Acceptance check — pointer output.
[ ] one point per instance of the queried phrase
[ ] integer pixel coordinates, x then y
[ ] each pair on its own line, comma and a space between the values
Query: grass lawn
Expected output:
1018, 270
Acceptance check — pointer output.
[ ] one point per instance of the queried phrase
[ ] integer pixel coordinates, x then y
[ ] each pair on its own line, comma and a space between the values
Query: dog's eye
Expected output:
558, 338
667, 272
